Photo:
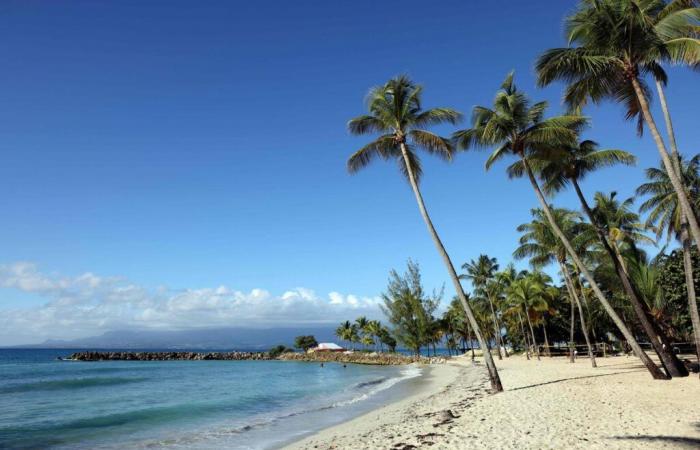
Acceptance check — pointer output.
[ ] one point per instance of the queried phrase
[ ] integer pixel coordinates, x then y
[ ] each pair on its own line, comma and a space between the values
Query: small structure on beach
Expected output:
327, 347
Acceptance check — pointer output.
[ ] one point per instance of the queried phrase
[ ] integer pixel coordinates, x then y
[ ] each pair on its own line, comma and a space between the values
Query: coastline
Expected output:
547, 404
367, 429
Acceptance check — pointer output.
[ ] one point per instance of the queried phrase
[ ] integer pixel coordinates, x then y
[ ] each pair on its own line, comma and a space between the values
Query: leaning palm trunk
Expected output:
673, 175
658, 339
574, 298
490, 365
655, 372
685, 238
690, 283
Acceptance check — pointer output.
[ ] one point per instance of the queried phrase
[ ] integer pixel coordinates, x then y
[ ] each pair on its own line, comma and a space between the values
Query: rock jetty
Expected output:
381, 359
167, 356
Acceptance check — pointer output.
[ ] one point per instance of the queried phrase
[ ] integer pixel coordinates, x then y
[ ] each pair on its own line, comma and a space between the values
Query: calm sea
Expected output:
46, 403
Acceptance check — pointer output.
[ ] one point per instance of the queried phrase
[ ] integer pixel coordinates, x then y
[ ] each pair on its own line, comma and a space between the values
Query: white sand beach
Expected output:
546, 404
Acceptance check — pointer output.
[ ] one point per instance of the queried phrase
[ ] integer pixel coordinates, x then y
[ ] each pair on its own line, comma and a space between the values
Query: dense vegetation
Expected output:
620, 295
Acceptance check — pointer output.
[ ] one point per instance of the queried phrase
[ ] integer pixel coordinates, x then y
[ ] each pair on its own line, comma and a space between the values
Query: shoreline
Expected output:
547, 404
437, 379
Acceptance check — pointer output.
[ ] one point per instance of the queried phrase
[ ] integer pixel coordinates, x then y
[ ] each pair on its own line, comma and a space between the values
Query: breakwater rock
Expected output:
167, 356
382, 359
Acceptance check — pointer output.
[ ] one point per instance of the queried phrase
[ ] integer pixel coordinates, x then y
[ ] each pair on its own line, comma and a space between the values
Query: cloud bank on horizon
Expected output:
89, 304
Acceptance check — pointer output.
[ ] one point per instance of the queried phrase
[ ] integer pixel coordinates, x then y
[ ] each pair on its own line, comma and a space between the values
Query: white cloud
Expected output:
90, 304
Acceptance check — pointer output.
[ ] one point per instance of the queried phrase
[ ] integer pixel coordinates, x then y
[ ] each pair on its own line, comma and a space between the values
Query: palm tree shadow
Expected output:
681, 441
574, 378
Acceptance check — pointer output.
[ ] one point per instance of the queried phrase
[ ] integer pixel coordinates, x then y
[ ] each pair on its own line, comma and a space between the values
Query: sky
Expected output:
182, 164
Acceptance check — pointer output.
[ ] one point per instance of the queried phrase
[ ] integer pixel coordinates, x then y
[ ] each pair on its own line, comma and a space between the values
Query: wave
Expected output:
379, 384
70, 384
370, 383
409, 372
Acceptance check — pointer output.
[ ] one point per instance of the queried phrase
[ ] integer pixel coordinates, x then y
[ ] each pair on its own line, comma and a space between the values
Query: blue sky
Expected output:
183, 146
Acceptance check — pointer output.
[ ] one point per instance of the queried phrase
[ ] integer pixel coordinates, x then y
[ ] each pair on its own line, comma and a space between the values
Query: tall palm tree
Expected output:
666, 216
613, 45
481, 273
395, 112
518, 128
568, 168
542, 247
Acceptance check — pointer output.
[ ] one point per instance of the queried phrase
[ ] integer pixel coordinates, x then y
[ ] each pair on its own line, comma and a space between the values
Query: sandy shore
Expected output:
547, 404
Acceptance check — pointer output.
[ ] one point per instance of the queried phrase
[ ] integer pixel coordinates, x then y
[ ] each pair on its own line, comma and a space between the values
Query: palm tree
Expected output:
355, 336
361, 324
620, 223
666, 216
374, 329
539, 243
481, 272
614, 44
518, 128
527, 292
345, 331
395, 111
623, 227
569, 167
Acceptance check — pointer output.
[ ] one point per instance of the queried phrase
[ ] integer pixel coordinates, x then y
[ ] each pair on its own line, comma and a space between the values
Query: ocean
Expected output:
46, 403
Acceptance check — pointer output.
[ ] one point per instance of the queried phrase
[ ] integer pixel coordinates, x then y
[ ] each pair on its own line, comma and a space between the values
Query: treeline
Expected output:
614, 49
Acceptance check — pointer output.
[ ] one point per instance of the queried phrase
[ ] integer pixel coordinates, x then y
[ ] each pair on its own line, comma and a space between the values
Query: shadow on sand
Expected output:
680, 441
575, 378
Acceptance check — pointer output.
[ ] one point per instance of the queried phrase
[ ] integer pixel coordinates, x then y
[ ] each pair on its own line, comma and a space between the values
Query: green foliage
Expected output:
409, 309
517, 127
671, 279
612, 42
277, 350
395, 112
305, 342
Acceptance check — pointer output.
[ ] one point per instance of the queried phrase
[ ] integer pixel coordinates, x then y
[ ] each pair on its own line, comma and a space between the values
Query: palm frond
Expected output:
432, 143
384, 147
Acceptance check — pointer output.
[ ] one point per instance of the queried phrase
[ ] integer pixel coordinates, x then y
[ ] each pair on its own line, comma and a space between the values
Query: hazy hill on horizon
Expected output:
234, 338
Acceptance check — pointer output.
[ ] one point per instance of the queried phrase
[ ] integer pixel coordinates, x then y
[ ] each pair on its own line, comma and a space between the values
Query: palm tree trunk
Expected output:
685, 238
532, 333
655, 372
496, 330
574, 298
488, 359
673, 176
547, 351
658, 339
572, 347
525, 338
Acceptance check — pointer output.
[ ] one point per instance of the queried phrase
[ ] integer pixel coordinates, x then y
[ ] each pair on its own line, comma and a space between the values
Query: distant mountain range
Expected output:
212, 338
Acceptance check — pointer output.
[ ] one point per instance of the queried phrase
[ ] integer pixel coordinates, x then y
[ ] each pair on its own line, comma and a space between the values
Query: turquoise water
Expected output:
45, 403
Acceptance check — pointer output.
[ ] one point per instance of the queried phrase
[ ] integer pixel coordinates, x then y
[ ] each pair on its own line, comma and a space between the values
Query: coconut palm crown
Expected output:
517, 127
575, 162
395, 112
662, 204
612, 42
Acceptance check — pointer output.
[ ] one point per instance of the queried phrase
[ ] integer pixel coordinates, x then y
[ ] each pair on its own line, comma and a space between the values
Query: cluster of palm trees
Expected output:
367, 333
614, 48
